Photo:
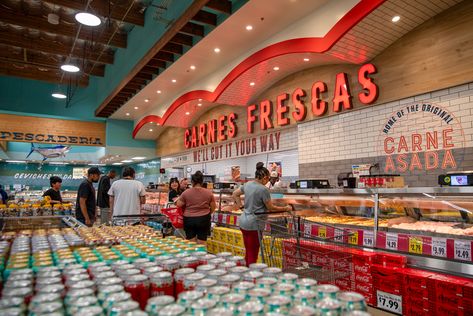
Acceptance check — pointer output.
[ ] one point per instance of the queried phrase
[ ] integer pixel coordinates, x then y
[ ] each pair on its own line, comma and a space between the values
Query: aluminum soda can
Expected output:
123, 308
216, 274
251, 308
352, 301
202, 306
157, 303
220, 311
106, 291
86, 301
216, 292
9, 302
252, 276
239, 270
232, 301
356, 313
187, 298
224, 254
306, 284
278, 304
266, 282
302, 310
329, 307
243, 287
77, 294
11, 311
216, 261
115, 298
47, 308
327, 291
172, 310
205, 268
240, 261
258, 266
272, 272
229, 279
259, 295
191, 280
227, 265
290, 278
305, 298
90, 311
284, 289
40, 299
204, 285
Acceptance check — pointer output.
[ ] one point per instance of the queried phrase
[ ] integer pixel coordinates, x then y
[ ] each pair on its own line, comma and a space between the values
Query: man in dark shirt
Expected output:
54, 193
103, 199
85, 204
3, 195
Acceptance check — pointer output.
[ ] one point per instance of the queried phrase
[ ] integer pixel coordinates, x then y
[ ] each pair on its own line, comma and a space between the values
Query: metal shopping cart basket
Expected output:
13, 224
284, 244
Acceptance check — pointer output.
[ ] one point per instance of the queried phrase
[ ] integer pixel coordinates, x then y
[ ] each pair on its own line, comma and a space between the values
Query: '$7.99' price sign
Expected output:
389, 302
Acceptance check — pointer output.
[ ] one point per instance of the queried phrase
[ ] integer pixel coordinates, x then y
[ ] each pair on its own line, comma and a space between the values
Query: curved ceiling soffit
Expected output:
298, 45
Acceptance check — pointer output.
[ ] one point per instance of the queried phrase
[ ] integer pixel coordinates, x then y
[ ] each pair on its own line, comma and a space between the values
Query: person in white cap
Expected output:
274, 182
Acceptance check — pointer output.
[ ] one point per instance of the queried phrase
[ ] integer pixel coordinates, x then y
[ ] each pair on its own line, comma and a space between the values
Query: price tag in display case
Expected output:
225, 219
322, 233
389, 302
392, 241
368, 238
415, 245
462, 250
439, 247
307, 230
338, 234
353, 237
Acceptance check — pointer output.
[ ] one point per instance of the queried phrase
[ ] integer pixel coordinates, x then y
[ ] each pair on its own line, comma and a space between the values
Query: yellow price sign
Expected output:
322, 233
353, 238
232, 220
415, 245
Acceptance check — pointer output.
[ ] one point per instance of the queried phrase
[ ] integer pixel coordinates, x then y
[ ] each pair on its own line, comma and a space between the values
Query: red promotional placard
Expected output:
381, 240
403, 242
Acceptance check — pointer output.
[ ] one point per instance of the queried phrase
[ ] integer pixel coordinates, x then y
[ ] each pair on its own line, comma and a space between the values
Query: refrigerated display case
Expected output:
431, 226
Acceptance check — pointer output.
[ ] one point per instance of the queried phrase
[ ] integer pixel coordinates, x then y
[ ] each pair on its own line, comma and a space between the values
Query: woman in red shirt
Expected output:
198, 204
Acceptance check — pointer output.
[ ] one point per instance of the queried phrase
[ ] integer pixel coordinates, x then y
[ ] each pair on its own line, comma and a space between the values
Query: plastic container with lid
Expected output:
157, 303
139, 288
162, 283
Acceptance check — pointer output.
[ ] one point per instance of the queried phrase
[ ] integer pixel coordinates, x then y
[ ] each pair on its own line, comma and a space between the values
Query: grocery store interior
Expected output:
360, 110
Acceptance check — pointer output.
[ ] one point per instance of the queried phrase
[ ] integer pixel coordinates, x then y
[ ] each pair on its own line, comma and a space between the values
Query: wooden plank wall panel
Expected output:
48, 126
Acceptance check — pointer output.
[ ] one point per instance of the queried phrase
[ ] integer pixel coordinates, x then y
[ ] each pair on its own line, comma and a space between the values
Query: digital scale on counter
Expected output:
456, 179
312, 184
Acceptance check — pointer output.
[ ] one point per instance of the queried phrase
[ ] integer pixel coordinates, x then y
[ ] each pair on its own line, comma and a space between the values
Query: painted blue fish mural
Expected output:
50, 152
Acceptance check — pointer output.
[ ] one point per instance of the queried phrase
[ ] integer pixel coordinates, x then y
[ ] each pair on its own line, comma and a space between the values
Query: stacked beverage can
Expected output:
157, 303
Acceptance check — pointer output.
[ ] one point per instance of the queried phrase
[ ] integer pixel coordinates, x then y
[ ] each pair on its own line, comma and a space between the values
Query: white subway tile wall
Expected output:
357, 134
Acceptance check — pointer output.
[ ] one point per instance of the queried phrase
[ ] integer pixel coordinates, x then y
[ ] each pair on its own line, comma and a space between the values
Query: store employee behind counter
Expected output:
54, 193
257, 200
85, 204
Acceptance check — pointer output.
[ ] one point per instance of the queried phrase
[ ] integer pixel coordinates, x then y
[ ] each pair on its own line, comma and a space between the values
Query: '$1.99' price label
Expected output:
389, 302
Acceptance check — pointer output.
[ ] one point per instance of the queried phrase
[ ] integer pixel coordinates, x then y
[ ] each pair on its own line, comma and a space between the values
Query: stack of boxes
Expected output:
226, 240
362, 262
415, 292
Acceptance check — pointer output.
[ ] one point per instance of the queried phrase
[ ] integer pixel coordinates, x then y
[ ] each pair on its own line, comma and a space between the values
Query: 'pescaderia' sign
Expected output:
22, 128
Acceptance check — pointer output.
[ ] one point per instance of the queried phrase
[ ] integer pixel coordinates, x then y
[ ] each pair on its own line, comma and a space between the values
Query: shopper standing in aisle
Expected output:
174, 190
54, 193
257, 200
127, 194
85, 204
183, 184
198, 204
103, 199
3, 195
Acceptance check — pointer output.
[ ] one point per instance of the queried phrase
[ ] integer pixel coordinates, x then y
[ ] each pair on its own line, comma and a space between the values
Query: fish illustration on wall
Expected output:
50, 151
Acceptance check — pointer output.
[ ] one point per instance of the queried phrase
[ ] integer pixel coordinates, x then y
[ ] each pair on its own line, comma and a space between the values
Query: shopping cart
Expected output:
13, 224
284, 244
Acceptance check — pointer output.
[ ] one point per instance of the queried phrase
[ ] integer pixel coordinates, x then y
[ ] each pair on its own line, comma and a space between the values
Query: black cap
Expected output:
94, 170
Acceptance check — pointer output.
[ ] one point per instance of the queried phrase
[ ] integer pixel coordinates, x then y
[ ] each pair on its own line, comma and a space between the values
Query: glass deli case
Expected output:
431, 226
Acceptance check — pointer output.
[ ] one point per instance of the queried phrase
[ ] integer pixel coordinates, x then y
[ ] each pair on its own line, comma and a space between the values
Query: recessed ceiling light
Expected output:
252, 83
192, 67
136, 108
127, 114
87, 19
159, 91
70, 68
117, 163
59, 95
146, 100
174, 80
150, 129
276, 68
249, 27
138, 158
127, 161
306, 59
396, 18
217, 50
199, 104
187, 113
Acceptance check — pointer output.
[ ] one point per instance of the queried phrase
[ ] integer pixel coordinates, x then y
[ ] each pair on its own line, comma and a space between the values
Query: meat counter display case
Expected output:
431, 226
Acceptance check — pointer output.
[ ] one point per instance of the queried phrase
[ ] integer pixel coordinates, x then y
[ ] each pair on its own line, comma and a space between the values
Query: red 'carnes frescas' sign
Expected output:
286, 108
421, 136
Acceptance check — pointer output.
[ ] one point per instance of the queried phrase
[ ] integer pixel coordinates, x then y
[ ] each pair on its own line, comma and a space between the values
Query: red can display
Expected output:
179, 276
139, 289
162, 283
